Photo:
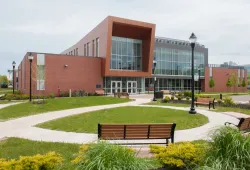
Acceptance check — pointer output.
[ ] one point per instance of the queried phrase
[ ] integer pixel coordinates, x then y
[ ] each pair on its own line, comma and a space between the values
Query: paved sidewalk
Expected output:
23, 127
9, 104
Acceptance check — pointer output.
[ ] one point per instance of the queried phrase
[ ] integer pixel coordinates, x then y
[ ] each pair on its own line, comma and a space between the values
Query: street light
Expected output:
30, 57
192, 40
199, 82
13, 72
154, 62
13, 75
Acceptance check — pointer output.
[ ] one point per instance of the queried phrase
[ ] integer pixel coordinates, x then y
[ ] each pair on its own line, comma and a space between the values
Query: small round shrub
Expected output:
51, 95
219, 101
228, 101
179, 155
179, 98
172, 97
187, 98
166, 99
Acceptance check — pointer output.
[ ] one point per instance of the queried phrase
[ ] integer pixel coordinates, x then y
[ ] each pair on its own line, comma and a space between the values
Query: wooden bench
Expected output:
136, 132
205, 101
100, 92
243, 125
121, 94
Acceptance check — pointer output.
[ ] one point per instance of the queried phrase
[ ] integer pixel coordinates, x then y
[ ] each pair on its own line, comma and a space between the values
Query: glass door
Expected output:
116, 86
132, 87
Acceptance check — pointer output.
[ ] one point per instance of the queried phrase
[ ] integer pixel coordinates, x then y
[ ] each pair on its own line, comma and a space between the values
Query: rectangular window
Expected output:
88, 48
85, 50
93, 48
40, 72
76, 51
97, 47
211, 71
126, 54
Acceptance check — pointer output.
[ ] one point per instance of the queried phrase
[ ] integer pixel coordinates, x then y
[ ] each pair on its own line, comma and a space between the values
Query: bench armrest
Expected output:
229, 123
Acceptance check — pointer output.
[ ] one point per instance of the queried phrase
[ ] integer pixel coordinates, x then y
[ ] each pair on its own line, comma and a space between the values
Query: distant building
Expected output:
247, 66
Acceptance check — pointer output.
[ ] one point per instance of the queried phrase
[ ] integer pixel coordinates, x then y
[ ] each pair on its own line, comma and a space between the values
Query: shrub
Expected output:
219, 101
166, 99
109, 156
51, 95
180, 94
48, 161
187, 93
243, 84
229, 150
66, 94
179, 97
179, 155
187, 98
228, 101
172, 97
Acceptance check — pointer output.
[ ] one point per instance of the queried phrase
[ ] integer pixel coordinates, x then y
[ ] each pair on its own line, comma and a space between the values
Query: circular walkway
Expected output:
24, 127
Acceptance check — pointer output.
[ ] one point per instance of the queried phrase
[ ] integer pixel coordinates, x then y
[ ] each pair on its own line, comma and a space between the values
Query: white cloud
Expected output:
52, 26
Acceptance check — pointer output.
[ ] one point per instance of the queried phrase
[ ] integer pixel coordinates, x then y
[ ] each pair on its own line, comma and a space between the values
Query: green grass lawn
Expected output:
26, 109
12, 148
87, 122
5, 90
5, 102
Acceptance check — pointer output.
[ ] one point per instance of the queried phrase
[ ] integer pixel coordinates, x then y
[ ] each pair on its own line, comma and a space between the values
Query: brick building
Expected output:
117, 55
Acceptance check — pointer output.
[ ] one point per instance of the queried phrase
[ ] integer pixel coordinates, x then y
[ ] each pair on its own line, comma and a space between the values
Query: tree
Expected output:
234, 80
229, 83
243, 84
211, 82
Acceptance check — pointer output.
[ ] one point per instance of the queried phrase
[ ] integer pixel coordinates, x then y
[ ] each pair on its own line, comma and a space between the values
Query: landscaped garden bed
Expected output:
87, 122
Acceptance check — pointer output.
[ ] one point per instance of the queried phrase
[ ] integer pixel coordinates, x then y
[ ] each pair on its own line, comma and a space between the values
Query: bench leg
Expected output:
213, 106
209, 106
166, 142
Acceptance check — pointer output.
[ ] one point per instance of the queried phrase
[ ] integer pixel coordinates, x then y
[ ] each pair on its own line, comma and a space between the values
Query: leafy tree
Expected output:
211, 82
229, 83
243, 84
3, 78
234, 80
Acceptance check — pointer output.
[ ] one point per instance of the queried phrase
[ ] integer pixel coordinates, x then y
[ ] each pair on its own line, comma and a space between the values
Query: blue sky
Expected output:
52, 26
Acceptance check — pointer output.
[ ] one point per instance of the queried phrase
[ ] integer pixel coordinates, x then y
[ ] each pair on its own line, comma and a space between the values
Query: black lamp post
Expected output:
30, 57
154, 62
192, 40
199, 82
13, 72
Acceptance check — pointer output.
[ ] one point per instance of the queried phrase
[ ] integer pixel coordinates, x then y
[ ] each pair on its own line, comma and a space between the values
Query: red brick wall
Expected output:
220, 76
82, 73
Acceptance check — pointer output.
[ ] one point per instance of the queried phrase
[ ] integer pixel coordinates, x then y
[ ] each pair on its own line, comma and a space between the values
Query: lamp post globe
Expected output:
192, 40
13, 79
154, 66
30, 57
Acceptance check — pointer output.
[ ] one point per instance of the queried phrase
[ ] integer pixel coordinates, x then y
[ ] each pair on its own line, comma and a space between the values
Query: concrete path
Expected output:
23, 127
8, 104
244, 99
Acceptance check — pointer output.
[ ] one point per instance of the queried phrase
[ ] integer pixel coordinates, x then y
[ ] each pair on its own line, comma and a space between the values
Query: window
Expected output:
88, 48
85, 50
76, 51
93, 48
97, 47
40, 72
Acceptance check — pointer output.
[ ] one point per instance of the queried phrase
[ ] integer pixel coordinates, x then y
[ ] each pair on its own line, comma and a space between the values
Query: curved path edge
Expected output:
23, 127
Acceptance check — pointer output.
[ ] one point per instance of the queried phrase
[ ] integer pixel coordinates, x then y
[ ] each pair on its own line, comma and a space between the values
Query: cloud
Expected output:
52, 26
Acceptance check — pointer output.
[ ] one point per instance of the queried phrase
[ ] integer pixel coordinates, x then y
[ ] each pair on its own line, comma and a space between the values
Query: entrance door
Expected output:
132, 87
116, 86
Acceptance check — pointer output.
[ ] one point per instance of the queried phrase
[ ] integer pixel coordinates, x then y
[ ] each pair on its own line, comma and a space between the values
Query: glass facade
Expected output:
126, 54
123, 84
177, 62
171, 84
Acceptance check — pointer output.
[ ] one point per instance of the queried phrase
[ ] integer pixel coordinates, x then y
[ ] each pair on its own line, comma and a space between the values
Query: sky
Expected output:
51, 26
